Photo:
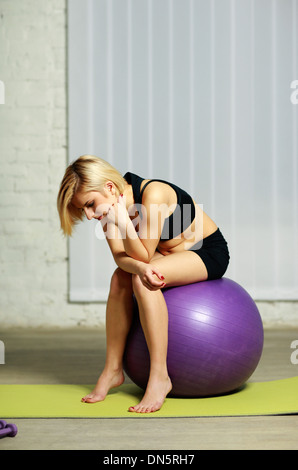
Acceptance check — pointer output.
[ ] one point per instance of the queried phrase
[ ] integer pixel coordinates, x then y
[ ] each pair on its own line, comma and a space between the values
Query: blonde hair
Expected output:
87, 173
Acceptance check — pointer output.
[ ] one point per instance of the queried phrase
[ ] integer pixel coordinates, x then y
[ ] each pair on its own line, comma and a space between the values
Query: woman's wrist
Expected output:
140, 267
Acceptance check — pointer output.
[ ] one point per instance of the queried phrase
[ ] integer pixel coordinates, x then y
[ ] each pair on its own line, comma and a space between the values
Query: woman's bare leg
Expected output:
178, 269
154, 320
118, 321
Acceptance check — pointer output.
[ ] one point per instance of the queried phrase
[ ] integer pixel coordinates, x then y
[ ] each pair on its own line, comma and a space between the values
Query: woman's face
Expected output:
96, 204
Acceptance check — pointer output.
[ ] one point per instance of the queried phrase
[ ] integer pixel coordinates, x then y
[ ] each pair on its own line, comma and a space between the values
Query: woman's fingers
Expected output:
154, 283
158, 274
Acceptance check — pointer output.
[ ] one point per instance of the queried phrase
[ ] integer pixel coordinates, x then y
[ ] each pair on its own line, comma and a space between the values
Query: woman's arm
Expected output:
142, 246
133, 245
150, 276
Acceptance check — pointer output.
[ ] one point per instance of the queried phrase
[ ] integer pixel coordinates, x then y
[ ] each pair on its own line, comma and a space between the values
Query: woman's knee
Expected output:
137, 285
121, 282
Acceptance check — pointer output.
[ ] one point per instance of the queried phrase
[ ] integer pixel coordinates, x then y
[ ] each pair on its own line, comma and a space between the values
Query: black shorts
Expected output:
213, 250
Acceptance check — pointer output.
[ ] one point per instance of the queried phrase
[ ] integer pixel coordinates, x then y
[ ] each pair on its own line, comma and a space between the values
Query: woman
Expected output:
158, 237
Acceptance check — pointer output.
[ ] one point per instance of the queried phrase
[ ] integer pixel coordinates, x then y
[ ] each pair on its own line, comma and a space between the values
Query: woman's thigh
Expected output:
183, 267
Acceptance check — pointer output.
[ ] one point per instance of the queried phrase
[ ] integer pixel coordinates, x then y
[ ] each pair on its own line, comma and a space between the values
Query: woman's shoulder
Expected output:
157, 192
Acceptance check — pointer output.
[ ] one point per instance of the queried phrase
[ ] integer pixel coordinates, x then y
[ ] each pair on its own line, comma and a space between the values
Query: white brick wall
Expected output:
33, 157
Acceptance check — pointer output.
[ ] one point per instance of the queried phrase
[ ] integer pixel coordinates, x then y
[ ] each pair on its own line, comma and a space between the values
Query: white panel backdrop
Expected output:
197, 92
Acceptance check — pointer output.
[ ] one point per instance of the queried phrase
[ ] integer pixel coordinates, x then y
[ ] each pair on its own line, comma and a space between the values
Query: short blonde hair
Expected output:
87, 173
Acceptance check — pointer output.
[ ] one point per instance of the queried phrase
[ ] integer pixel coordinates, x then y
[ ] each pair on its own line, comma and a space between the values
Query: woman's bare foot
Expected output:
107, 380
156, 392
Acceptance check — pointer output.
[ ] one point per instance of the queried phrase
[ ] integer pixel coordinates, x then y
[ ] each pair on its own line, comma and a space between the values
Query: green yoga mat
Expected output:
63, 401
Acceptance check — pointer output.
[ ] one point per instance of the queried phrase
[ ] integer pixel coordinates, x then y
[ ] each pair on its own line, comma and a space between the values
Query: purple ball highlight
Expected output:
215, 339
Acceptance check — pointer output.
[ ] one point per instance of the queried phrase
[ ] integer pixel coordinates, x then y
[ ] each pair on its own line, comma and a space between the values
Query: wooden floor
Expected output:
76, 356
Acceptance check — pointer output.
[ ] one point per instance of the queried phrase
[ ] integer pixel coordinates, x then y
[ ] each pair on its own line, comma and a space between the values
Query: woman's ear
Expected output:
110, 188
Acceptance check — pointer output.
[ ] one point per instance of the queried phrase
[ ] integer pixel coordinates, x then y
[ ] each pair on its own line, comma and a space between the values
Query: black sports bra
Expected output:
183, 214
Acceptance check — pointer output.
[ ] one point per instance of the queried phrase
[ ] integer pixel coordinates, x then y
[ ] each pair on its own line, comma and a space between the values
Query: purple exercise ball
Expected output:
215, 339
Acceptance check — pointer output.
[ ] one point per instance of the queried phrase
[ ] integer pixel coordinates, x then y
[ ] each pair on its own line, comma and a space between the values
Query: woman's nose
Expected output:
89, 213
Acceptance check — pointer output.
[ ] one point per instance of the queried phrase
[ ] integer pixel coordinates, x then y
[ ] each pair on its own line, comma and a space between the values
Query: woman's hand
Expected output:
151, 277
117, 214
